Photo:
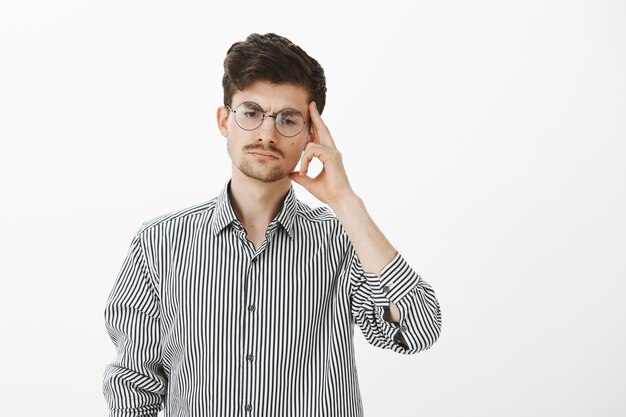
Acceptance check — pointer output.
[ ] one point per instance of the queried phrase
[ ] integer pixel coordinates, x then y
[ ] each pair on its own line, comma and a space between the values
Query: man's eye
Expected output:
251, 114
289, 118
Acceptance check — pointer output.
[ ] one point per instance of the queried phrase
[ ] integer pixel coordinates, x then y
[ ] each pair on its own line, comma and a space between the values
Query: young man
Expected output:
245, 305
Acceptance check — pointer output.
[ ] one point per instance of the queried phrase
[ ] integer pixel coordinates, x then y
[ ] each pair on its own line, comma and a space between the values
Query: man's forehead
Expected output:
274, 97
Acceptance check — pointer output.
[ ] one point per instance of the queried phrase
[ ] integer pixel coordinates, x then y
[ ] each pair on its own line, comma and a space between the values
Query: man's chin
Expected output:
266, 177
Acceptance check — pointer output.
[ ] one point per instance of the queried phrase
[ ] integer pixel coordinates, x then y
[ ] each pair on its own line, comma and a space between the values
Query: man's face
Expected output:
263, 153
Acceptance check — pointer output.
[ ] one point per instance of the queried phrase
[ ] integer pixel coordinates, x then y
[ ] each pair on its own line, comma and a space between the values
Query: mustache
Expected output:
268, 148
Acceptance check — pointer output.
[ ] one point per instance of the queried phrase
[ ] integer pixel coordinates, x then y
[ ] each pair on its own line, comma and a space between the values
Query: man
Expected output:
245, 305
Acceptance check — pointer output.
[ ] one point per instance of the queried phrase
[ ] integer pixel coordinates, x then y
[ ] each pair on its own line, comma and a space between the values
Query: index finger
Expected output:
320, 128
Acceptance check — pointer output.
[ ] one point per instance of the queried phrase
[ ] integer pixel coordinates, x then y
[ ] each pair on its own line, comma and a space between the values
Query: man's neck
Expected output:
255, 202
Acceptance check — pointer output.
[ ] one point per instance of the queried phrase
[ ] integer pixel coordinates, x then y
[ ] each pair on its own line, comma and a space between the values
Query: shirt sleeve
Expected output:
420, 316
134, 383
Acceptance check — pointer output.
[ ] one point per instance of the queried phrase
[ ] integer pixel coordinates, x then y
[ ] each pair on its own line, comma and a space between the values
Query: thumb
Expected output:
303, 180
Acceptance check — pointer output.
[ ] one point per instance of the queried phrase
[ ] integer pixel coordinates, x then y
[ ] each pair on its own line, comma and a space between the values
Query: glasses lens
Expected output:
249, 115
289, 122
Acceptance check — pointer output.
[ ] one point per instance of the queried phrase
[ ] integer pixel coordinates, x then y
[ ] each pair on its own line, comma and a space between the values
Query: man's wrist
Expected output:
346, 203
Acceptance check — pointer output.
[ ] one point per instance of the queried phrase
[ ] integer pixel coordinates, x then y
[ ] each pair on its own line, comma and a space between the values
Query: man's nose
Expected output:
268, 129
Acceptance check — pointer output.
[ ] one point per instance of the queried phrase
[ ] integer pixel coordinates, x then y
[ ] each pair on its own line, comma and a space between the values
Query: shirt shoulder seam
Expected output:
194, 210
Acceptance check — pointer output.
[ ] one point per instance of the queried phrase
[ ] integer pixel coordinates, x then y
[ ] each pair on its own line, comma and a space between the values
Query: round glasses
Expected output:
249, 116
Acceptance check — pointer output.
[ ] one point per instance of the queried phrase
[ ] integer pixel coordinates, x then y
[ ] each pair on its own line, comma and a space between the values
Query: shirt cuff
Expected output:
396, 280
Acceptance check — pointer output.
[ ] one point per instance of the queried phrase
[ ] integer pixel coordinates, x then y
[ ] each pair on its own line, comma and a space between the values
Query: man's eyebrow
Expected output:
291, 110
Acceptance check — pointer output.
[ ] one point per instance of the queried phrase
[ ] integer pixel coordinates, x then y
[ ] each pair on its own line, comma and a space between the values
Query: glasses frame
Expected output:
266, 114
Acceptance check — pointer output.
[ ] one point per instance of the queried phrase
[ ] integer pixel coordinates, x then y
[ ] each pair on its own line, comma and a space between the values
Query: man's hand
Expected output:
331, 183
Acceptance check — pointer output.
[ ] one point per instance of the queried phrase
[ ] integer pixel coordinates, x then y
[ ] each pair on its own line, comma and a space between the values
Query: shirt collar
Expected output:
224, 214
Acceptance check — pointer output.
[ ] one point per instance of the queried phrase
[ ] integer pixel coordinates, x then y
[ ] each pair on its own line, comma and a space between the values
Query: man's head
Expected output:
268, 84
274, 59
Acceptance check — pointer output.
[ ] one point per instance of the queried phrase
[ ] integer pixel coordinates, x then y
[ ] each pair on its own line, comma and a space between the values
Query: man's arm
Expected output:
370, 245
134, 383
412, 320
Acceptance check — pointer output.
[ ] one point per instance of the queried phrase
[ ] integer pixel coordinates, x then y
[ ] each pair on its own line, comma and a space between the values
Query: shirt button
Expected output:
250, 357
248, 407
404, 328
385, 289
251, 308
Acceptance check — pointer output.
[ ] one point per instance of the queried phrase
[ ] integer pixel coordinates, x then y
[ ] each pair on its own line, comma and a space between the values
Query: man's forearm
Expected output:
371, 246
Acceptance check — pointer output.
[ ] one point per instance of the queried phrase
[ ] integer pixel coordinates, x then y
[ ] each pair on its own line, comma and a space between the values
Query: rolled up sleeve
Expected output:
420, 315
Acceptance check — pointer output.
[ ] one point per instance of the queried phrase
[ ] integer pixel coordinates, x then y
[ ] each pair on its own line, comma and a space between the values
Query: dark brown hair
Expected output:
275, 59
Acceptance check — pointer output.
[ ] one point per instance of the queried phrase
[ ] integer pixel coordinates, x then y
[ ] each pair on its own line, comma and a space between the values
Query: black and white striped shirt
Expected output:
209, 326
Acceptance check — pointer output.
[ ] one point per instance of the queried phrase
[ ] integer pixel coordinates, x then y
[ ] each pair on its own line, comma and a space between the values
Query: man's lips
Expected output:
263, 155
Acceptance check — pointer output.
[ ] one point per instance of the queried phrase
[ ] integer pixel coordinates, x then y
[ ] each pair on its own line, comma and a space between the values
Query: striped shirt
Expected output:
207, 325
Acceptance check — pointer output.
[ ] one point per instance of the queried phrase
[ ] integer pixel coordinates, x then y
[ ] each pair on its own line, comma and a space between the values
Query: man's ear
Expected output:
222, 120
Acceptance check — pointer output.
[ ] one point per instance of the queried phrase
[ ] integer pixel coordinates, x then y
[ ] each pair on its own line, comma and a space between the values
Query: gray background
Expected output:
486, 138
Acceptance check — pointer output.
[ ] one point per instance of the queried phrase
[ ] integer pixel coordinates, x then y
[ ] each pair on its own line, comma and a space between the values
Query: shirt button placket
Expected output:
250, 326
